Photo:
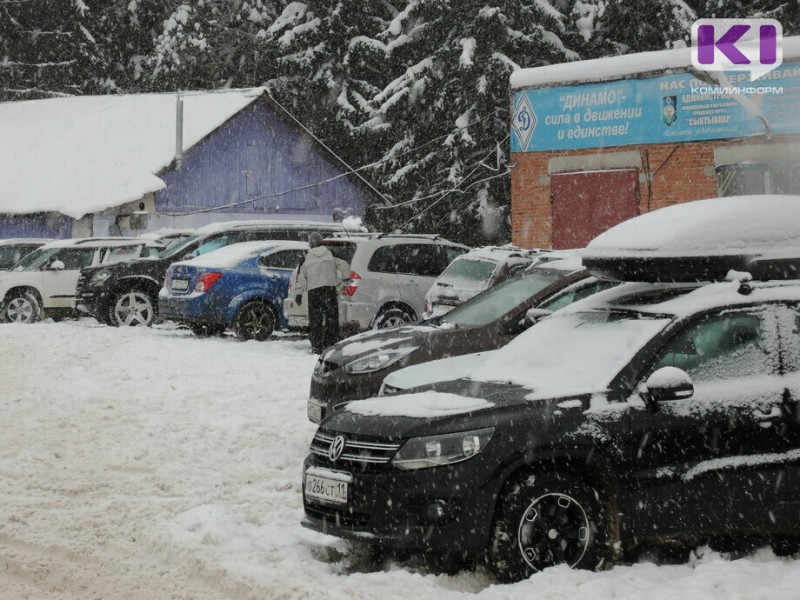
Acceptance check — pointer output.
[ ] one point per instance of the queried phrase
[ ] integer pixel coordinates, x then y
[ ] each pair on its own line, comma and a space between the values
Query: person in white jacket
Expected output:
319, 275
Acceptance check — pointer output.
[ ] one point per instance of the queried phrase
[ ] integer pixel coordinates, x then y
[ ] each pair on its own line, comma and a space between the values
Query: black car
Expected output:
127, 293
355, 368
647, 414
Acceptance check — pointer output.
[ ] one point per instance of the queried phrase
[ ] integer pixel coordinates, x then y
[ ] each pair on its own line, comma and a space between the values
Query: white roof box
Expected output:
703, 241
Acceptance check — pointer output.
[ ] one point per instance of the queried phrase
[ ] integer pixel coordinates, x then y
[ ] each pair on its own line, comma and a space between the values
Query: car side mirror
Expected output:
56, 265
534, 315
668, 384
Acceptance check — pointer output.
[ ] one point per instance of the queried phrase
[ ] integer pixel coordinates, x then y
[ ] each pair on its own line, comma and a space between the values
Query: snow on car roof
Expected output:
755, 225
702, 241
230, 256
682, 300
10, 241
96, 242
579, 349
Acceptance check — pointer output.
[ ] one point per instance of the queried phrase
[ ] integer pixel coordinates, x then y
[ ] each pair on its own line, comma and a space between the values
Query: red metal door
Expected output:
587, 204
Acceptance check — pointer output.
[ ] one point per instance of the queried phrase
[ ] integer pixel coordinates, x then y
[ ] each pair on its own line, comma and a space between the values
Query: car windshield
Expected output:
174, 250
470, 272
498, 300
36, 259
573, 353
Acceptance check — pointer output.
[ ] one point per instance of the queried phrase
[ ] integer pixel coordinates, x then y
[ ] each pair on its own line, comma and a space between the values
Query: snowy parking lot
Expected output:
148, 463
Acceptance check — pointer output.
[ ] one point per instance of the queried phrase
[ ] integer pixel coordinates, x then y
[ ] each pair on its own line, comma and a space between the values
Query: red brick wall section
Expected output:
681, 172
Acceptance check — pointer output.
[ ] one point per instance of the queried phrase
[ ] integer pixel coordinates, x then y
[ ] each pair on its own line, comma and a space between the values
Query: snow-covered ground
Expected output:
150, 464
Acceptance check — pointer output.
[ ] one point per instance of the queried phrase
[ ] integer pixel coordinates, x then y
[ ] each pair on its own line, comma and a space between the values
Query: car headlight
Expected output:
446, 449
377, 361
100, 276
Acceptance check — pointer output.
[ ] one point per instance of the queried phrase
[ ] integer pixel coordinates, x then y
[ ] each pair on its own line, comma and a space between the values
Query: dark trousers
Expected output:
323, 318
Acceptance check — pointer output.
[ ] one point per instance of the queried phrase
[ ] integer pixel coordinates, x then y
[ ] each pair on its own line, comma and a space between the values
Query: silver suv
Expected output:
389, 277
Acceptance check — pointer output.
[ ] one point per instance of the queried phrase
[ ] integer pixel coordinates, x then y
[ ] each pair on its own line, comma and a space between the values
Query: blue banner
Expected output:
669, 108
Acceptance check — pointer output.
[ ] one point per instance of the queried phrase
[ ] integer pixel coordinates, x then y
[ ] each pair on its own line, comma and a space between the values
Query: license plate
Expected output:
180, 285
327, 486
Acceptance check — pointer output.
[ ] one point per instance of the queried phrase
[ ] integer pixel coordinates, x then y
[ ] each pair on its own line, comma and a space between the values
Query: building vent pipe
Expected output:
179, 132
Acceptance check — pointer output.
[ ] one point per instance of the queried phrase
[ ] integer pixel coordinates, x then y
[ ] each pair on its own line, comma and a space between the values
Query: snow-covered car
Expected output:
14, 249
356, 367
44, 281
473, 272
647, 414
241, 287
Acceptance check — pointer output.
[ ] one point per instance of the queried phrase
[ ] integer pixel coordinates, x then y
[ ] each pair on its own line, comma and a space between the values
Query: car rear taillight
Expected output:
206, 281
352, 286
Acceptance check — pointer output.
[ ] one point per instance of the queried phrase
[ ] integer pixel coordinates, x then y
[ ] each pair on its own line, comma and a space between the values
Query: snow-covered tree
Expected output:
46, 49
445, 112
212, 44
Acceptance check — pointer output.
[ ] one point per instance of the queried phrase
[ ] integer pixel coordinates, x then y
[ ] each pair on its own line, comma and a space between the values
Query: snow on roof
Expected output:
617, 67
229, 256
85, 154
759, 225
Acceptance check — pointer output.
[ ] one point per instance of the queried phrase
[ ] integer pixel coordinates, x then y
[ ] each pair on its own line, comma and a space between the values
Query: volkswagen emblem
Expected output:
336, 449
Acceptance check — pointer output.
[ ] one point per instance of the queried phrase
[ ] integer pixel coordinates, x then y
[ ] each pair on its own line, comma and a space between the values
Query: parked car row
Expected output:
44, 281
237, 276
660, 411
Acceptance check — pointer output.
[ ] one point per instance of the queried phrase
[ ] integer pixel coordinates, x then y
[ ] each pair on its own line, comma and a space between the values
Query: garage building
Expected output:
597, 142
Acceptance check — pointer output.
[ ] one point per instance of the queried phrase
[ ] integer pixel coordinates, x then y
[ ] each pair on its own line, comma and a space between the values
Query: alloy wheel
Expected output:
255, 322
133, 308
22, 309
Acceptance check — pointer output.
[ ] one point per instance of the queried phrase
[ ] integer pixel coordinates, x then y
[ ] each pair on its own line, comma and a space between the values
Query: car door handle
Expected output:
767, 419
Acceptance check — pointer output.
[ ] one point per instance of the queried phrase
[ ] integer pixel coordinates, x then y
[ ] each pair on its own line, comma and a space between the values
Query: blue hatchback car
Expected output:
240, 287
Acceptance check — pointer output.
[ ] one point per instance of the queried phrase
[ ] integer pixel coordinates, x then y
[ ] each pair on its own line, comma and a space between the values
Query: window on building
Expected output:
758, 178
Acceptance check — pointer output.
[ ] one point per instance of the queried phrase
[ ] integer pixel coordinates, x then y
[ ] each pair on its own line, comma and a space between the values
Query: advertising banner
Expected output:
665, 109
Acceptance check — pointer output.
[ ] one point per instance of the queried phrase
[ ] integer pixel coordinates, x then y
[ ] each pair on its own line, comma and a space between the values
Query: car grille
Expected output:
357, 451
80, 288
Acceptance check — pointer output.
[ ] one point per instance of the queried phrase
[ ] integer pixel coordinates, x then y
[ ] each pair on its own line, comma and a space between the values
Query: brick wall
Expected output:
679, 172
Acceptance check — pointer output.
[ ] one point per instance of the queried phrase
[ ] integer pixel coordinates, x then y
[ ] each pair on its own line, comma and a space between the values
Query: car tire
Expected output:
393, 317
544, 520
254, 321
132, 307
22, 307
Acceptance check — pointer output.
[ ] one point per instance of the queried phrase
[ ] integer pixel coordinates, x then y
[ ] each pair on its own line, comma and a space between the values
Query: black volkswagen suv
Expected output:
127, 293
646, 414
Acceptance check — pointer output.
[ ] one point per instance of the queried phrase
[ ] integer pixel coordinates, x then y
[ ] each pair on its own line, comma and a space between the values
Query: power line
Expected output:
456, 189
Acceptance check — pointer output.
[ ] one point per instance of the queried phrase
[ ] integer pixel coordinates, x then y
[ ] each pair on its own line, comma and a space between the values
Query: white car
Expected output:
44, 281
471, 273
